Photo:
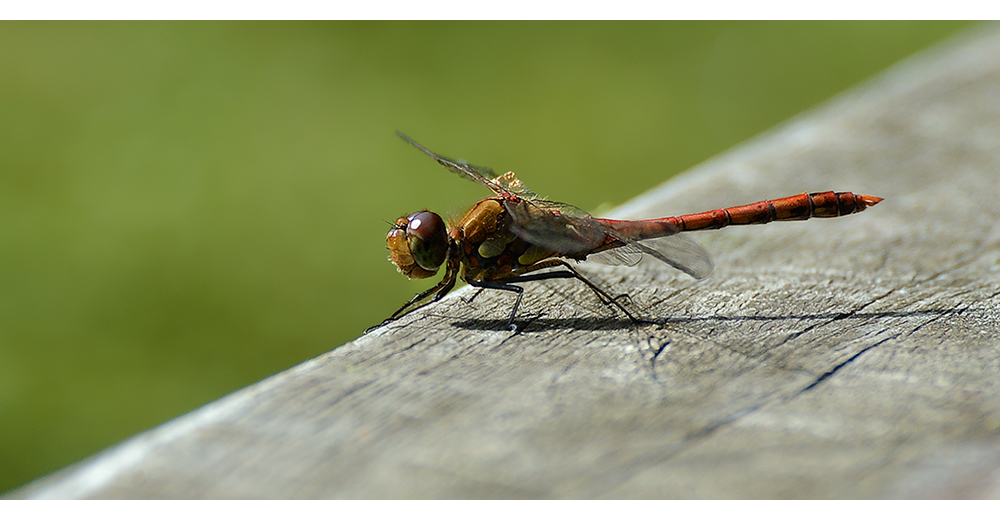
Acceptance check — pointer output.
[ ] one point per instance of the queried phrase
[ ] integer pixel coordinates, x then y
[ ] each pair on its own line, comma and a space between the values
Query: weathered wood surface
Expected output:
855, 357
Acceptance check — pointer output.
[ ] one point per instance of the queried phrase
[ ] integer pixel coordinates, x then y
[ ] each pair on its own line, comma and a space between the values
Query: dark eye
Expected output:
428, 239
424, 225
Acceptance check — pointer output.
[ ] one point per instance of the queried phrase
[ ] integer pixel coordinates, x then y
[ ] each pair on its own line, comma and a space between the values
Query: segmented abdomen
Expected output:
826, 204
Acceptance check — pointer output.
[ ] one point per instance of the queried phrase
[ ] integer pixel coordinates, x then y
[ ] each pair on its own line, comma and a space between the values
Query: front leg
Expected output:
438, 291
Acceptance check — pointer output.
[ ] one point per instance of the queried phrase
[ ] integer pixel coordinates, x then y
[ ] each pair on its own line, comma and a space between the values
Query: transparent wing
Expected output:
558, 227
569, 230
680, 253
627, 255
677, 251
507, 183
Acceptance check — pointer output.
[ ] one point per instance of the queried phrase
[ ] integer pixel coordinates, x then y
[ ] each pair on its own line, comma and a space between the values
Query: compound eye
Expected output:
424, 225
428, 239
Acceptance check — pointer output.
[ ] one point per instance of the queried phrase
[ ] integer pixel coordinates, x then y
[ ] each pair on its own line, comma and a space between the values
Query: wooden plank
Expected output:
855, 357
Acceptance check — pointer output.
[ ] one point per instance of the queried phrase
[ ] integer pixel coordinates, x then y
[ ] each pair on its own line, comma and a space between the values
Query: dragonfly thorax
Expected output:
418, 244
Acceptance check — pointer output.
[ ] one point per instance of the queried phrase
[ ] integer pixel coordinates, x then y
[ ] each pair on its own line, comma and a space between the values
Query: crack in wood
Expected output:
829, 373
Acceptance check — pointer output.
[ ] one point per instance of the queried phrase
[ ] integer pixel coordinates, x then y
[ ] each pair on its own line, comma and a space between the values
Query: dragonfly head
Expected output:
418, 244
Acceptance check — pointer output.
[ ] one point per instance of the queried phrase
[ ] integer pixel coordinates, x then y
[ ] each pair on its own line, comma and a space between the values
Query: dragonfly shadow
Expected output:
535, 324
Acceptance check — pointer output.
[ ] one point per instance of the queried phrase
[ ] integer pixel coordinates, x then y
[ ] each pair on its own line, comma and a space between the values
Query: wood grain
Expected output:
855, 357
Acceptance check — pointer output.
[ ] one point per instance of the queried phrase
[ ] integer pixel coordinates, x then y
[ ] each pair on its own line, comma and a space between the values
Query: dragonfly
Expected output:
515, 236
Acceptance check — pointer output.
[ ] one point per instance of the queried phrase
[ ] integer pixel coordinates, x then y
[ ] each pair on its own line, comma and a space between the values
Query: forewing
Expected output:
559, 227
480, 174
507, 183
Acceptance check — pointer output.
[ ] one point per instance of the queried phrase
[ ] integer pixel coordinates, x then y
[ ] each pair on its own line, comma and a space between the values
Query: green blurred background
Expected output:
186, 208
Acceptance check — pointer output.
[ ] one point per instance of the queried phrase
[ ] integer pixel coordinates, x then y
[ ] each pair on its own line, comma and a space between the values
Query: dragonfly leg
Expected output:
474, 296
571, 273
438, 291
626, 297
503, 287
